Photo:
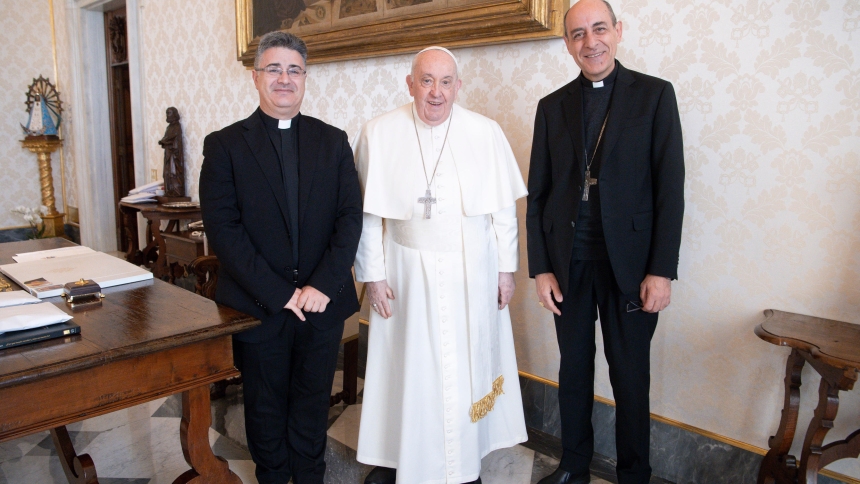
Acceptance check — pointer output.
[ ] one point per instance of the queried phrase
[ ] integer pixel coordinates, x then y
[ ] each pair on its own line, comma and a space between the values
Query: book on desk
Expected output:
11, 339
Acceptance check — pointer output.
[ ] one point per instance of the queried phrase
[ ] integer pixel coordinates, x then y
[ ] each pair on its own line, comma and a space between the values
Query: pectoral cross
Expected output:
427, 200
588, 182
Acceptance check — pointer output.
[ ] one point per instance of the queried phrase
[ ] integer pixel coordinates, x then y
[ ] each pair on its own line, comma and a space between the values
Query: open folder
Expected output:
45, 277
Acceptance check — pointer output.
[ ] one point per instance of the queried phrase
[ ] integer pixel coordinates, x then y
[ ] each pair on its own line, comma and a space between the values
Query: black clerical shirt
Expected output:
286, 145
588, 241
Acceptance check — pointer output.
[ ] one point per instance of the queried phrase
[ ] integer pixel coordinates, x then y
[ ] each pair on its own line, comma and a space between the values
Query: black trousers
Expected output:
287, 385
627, 345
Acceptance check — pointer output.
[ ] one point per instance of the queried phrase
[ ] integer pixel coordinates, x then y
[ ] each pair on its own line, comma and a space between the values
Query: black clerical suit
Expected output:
637, 206
268, 247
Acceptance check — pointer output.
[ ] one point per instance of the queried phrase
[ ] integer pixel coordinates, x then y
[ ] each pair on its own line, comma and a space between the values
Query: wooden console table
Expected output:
154, 255
832, 348
146, 341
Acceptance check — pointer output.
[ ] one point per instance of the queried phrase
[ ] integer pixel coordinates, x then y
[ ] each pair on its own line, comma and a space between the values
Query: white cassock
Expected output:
441, 388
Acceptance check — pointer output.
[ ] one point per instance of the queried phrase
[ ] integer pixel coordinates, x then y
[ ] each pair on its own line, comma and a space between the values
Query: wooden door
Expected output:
119, 92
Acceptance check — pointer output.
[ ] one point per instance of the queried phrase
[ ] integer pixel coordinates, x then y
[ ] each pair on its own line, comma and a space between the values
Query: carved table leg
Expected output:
79, 469
777, 466
175, 270
848, 448
206, 467
132, 253
159, 268
150, 252
815, 456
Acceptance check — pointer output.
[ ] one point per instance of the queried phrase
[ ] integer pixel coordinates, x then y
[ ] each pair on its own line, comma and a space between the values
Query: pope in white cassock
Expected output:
437, 255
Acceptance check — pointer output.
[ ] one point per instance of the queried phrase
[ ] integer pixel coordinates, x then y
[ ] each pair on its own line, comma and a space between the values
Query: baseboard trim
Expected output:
697, 430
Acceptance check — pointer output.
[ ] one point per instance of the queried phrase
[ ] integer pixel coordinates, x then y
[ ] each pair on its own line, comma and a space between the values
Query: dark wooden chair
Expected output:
205, 269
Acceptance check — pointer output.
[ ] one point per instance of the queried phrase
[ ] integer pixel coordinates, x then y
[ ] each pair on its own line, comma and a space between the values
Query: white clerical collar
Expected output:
597, 84
284, 123
421, 124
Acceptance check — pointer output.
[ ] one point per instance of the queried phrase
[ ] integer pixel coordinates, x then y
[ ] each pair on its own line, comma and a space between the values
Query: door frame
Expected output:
91, 118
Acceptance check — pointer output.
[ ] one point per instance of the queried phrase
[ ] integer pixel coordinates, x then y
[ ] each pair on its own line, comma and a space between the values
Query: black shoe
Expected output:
476, 481
561, 476
381, 475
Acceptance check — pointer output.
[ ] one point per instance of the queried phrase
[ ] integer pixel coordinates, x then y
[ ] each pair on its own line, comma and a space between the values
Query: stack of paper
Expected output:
52, 253
24, 319
146, 193
44, 273
19, 311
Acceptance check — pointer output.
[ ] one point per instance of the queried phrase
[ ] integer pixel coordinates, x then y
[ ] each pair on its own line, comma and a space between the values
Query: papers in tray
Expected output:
17, 318
45, 277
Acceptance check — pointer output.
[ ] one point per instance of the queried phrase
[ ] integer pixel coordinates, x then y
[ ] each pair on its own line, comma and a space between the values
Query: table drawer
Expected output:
182, 247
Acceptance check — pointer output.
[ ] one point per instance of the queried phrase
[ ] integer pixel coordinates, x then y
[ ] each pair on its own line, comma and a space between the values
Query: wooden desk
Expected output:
148, 340
832, 348
154, 255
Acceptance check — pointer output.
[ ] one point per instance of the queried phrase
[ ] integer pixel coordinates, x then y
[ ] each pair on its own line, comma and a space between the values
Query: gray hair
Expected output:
605, 2
441, 49
280, 39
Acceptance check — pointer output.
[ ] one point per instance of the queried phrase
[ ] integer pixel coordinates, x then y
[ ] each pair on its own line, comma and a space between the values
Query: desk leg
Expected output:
206, 467
777, 466
79, 469
349, 394
350, 371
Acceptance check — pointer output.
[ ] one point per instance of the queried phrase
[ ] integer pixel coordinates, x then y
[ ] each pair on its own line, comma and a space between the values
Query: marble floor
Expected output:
140, 445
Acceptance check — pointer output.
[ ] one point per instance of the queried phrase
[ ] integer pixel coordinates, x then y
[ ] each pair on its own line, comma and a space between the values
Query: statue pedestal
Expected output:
43, 146
54, 225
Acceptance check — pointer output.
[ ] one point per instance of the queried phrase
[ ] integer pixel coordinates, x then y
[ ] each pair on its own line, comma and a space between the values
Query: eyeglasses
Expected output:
295, 72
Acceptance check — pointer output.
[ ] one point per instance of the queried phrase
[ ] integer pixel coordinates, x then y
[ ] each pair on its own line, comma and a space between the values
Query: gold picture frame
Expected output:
336, 30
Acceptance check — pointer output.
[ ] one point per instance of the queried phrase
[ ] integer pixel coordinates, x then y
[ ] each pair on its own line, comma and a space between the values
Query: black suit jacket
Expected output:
244, 207
641, 181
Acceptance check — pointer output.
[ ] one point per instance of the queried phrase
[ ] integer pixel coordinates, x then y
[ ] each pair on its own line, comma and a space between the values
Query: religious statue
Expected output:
174, 158
43, 109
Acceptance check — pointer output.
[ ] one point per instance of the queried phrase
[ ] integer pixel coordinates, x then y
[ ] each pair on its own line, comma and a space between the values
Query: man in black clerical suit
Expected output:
282, 209
605, 207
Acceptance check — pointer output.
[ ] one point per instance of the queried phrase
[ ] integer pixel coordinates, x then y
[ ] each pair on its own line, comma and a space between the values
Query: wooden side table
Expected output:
832, 348
155, 252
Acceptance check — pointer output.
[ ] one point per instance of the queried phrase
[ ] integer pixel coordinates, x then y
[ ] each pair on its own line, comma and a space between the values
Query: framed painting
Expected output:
352, 29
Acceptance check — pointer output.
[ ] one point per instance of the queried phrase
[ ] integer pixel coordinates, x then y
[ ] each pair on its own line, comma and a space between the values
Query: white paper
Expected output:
16, 298
149, 187
142, 197
46, 277
18, 318
52, 253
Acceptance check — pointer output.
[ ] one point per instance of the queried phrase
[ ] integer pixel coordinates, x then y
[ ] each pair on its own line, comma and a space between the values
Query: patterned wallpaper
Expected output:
769, 93
25, 33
